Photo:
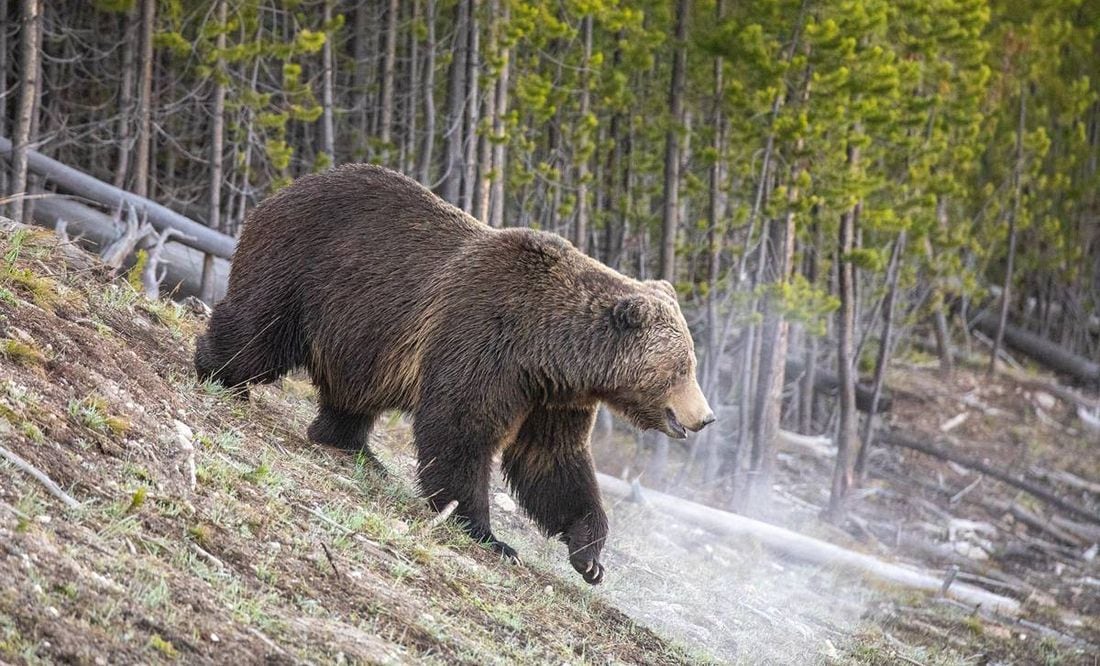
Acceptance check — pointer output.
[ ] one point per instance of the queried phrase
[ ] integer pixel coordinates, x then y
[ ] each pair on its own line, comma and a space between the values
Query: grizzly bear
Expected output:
494, 340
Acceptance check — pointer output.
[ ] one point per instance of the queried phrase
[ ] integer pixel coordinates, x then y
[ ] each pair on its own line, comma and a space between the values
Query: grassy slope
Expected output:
282, 550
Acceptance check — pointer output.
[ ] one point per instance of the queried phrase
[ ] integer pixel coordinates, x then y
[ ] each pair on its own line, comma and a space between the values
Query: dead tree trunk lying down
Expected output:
827, 382
182, 265
809, 549
895, 438
1042, 350
73, 180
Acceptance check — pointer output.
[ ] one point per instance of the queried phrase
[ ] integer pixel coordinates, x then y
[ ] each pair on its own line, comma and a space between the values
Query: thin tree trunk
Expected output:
328, 129
939, 316
424, 165
28, 94
807, 392
580, 229
217, 149
883, 359
126, 96
500, 145
359, 80
411, 105
846, 438
145, 101
484, 139
716, 210
5, 16
385, 129
670, 220
451, 187
473, 106
1014, 212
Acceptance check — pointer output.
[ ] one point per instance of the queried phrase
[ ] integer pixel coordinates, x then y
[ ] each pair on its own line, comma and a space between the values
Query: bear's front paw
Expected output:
585, 541
590, 570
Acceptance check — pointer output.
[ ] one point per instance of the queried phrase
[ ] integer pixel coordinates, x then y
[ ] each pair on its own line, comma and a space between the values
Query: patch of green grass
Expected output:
168, 313
133, 276
202, 534
7, 296
43, 291
118, 296
137, 499
15, 247
258, 475
22, 353
92, 413
164, 647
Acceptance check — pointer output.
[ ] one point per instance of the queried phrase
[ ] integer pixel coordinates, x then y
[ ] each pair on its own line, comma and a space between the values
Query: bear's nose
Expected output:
707, 420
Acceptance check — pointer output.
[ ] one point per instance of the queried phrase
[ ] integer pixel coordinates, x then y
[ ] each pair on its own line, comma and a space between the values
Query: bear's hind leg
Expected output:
550, 470
345, 430
454, 464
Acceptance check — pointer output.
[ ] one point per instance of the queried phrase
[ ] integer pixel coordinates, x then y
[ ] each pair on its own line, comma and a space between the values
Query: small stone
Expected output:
549, 590
214, 638
53, 612
1045, 400
184, 435
504, 502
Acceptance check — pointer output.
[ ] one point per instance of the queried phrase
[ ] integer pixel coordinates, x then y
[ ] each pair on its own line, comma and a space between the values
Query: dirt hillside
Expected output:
277, 551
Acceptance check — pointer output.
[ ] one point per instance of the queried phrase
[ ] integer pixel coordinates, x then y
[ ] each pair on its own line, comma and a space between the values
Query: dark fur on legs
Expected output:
550, 470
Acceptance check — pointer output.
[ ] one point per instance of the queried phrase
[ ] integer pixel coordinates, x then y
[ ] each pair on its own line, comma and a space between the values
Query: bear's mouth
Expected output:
675, 428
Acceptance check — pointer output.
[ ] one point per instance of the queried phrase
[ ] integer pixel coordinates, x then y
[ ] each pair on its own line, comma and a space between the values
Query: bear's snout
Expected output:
688, 409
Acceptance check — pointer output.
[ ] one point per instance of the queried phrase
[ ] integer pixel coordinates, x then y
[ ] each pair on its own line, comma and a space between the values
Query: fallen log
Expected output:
95, 229
810, 549
161, 217
826, 381
895, 438
1042, 350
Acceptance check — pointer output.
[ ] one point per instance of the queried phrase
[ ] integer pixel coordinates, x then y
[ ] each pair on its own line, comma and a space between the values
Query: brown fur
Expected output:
393, 299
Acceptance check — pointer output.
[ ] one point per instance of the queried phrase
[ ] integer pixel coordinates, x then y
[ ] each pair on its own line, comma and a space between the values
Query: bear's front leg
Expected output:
454, 464
550, 470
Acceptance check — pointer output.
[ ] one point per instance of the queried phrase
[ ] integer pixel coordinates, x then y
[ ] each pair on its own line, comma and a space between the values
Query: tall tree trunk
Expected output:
385, 128
716, 211
145, 101
5, 17
424, 163
1013, 214
411, 106
328, 128
360, 72
217, 150
473, 106
670, 219
883, 358
939, 314
453, 171
846, 438
807, 393
580, 229
774, 337
25, 111
126, 96
500, 144
482, 191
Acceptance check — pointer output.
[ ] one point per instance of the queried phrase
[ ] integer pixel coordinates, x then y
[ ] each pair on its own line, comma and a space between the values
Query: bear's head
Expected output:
653, 383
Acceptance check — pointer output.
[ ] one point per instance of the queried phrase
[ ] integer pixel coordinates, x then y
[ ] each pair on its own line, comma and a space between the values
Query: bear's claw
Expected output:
590, 570
506, 552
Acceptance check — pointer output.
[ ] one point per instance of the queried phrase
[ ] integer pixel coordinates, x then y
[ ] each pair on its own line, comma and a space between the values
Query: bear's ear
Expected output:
631, 312
663, 287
